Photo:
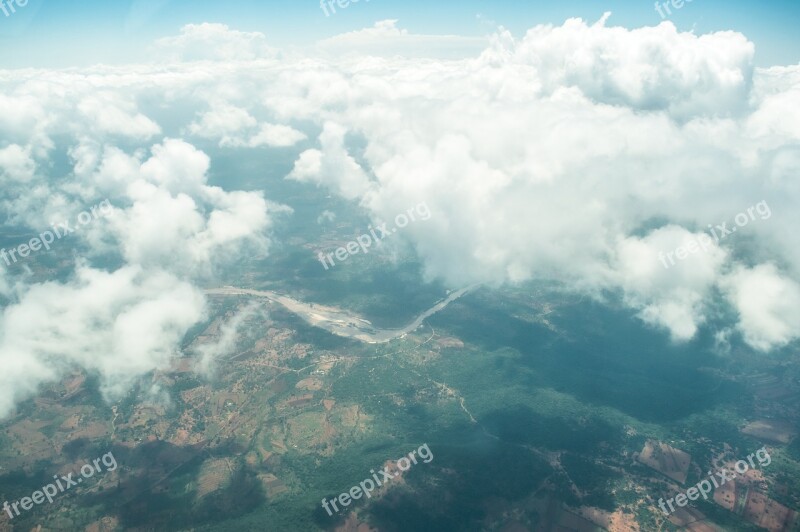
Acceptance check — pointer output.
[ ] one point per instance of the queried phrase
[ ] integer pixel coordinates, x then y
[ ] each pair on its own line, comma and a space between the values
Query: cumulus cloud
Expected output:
177, 222
275, 135
332, 165
670, 294
213, 42
649, 68
109, 114
768, 304
176, 166
125, 307
169, 228
235, 127
19, 114
16, 164
121, 325
225, 122
577, 153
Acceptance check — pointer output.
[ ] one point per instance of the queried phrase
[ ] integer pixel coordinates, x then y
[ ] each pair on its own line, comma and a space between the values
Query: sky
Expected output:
56, 33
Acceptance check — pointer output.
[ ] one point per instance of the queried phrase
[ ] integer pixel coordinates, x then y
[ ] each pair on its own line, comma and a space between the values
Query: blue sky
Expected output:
57, 33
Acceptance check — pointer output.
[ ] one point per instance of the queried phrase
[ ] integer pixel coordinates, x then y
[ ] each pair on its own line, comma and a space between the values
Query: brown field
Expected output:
766, 513
310, 383
106, 524
771, 388
213, 476
181, 365
757, 508
771, 429
278, 444
142, 414
91, 431
618, 521
28, 439
74, 384
272, 485
725, 495
310, 428
352, 524
302, 400
71, 423
667, 460
185, 437
196, 396
352, 416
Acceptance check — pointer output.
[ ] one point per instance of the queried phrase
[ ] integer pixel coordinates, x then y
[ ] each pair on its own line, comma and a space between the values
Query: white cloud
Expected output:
229, 334
576, 153
768, 304
670, 293
332, 166
110, 114
235, 127
176, 221
326, 217
19, 115
170, 228
386, 39
548, 155
276, 135
121, 325
213, 42
223, 121
168, 232
176, 166
648, 68
16, 164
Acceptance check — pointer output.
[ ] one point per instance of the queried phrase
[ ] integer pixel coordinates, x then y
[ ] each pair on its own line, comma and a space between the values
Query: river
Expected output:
337, 321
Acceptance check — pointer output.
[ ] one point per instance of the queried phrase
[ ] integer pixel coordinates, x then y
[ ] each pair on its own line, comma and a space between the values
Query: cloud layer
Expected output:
577, 153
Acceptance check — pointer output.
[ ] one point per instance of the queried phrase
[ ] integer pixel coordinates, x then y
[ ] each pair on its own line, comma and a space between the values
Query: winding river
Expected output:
337, 321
